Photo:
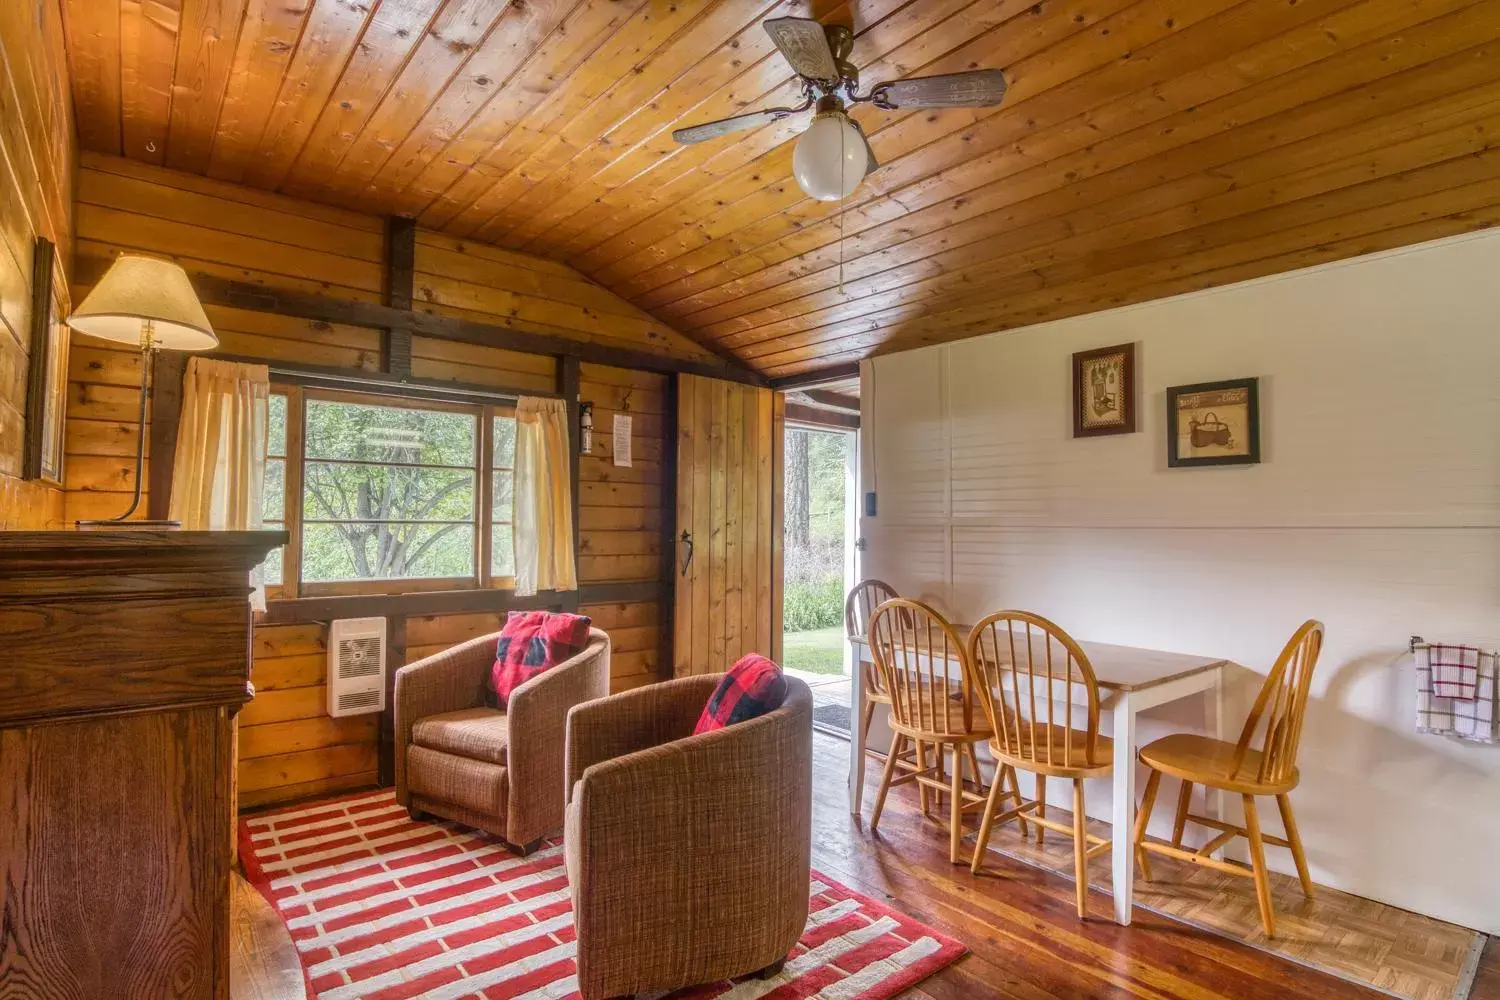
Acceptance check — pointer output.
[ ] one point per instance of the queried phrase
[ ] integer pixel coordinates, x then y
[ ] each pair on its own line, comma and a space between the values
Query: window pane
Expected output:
505, 442
386, 493
358, 432
276, 428
273, 496
363, 551
502, 551
270, 570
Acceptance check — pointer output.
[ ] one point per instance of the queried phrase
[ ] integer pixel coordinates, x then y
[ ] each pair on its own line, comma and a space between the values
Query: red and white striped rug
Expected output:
382, 907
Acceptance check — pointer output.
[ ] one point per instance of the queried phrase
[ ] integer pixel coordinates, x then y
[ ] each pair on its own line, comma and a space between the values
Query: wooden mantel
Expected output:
126, 656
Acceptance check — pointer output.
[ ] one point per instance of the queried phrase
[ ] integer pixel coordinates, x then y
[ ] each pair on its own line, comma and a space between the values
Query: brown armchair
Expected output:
687, 856
500, 771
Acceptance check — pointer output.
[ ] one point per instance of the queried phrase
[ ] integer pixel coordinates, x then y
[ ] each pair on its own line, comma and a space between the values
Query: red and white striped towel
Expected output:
1455, 671
384, 908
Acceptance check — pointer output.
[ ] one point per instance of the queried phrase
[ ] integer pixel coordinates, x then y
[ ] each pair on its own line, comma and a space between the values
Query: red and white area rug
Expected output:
381, 907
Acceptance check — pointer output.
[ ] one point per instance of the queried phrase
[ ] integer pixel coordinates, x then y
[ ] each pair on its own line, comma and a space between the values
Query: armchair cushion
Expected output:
531, 642
752, 687
478, 733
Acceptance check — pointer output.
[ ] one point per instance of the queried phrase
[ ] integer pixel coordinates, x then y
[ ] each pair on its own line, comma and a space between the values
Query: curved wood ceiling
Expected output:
1146, 147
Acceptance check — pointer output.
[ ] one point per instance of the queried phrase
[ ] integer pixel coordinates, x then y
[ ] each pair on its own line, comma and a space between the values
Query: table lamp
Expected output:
148, 302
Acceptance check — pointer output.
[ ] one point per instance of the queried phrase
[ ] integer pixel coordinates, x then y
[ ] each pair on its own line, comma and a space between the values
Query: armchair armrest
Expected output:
634, 720
443, 682
538, 713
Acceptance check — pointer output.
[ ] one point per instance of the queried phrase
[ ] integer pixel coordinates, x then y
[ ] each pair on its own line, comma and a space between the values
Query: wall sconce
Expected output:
585, 428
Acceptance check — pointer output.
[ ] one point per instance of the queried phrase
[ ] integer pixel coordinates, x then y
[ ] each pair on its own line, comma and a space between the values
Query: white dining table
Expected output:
1131, 680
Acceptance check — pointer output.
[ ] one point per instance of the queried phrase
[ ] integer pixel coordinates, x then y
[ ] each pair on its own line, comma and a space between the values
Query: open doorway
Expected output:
818, 552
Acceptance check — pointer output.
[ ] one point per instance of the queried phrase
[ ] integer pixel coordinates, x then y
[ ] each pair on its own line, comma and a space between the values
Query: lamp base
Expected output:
139, 525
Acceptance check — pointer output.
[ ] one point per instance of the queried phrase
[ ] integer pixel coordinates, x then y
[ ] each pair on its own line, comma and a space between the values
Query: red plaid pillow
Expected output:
531, 642
753, 686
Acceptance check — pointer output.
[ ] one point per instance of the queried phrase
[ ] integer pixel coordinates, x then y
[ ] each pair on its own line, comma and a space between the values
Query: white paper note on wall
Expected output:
622, 439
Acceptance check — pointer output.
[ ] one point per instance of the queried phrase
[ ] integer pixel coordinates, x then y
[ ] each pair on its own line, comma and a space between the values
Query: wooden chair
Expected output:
1236, 767
859, 607
1028, 672
921, 663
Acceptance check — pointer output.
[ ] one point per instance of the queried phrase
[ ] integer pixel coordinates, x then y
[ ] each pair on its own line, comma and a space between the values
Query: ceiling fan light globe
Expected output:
830, 158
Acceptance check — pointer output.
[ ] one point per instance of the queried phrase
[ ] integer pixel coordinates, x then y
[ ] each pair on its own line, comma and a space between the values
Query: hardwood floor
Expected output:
1018, 921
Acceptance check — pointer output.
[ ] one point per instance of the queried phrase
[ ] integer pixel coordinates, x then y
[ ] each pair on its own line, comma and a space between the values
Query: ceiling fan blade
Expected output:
980, 88
712, 130
804, 45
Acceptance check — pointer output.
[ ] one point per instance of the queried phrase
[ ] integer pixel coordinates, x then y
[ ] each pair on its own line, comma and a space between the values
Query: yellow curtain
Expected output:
220, 466
543, 521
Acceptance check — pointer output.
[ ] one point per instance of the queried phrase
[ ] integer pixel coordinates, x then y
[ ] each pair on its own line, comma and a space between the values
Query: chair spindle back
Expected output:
1028, 673
1281, 705
920, 659
859, 608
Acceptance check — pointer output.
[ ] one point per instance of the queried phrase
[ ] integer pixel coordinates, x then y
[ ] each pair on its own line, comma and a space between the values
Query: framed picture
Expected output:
1214, 423
1104, 391
47, 385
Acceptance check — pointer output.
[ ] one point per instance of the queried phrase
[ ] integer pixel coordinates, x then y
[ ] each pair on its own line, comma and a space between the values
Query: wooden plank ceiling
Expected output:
1146, 147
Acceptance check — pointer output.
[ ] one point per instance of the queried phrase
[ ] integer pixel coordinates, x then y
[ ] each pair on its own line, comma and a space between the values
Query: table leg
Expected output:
1216, 723
857, 745
1122, 861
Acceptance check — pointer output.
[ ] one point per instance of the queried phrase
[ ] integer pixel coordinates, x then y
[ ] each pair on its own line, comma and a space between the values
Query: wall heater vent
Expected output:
356, 666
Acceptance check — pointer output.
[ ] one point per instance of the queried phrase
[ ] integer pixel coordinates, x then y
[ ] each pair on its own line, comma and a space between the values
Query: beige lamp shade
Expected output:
137, 288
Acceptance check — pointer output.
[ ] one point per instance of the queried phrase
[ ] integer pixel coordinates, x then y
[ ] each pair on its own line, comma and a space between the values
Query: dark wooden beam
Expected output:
215, 290
395, 657
799, 414
837, 400
822, 376
568, 385
167, 370
666, 601
400, 292
447, 602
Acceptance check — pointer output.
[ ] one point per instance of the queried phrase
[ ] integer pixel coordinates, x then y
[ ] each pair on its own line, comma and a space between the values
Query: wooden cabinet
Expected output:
123, 659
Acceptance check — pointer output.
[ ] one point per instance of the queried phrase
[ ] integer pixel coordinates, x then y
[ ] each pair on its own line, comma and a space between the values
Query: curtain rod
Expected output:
334, 378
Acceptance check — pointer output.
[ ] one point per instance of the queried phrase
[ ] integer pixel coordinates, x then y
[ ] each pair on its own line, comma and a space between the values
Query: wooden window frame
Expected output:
293, 586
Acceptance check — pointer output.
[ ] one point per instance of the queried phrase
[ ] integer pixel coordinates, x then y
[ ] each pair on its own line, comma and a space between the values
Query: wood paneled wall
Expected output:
36, 199
289, 747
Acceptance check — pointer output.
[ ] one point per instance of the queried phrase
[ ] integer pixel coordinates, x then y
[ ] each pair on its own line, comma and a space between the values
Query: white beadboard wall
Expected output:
1376, 509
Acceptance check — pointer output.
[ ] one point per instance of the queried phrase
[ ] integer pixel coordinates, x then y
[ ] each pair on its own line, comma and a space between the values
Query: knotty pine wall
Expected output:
289, 748
1376, 509
36, 199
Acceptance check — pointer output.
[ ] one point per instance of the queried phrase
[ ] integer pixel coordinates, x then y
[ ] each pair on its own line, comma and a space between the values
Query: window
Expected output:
383, 495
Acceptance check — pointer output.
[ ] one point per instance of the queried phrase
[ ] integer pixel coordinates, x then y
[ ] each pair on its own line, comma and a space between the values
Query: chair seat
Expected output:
476, 733
927, 728
1207, 761
1059, 752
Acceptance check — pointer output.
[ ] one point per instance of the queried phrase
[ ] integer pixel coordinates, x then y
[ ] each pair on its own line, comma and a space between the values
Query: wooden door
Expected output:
729, 475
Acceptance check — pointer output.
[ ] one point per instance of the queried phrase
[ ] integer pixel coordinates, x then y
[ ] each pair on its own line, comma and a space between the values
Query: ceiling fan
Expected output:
833, 155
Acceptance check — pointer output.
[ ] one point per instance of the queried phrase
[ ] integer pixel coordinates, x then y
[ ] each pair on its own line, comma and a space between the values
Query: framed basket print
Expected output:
1104, 391
1214, 423
47, 384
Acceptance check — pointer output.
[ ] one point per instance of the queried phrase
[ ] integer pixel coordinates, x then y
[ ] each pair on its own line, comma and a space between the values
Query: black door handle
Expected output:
687, 560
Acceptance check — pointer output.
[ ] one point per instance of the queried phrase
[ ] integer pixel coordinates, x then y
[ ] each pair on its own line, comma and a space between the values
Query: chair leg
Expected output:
956, 806
1015, 790
772, 970
1142, 818
923, 794
974, 763
1080, 849
1041, 807
885, 780
1258, 863
1179, 825
987, 820
524, 850
1294, 839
